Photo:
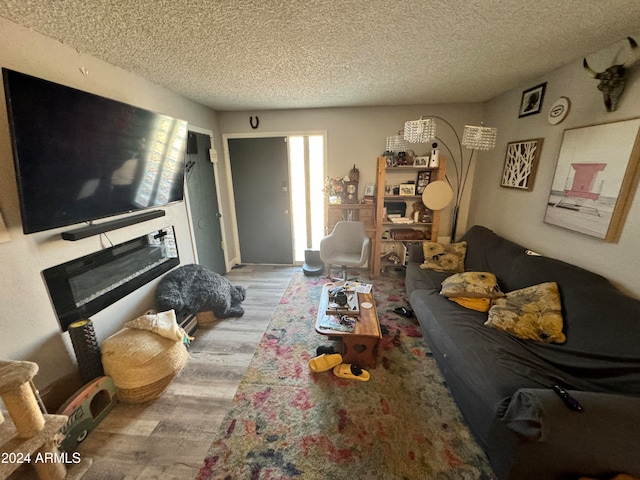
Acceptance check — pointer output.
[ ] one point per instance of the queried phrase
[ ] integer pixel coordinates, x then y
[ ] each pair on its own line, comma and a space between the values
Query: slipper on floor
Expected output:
353, 372
324, 362
404, 311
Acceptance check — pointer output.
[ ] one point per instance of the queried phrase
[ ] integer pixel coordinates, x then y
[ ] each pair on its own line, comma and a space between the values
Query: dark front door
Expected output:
203, 202
260, 171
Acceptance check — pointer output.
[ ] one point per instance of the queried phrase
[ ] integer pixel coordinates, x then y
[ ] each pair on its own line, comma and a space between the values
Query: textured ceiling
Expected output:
272, 54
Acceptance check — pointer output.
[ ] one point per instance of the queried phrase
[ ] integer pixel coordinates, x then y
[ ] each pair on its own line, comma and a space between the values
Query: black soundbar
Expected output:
91, 230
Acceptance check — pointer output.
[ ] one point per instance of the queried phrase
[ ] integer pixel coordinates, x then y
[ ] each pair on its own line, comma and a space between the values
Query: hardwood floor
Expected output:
168, 438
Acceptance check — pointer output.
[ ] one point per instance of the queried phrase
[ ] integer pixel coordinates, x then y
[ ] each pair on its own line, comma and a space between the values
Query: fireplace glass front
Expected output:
84, 286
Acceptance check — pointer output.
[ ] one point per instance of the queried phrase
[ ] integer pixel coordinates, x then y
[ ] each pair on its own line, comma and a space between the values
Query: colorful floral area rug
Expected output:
290, 423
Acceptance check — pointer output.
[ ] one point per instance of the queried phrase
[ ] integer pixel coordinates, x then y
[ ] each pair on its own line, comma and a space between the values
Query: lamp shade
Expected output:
479, 138
437, 195
397, 143
420, 131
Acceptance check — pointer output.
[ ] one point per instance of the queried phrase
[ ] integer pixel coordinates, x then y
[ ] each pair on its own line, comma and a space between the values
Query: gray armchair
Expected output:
346, 246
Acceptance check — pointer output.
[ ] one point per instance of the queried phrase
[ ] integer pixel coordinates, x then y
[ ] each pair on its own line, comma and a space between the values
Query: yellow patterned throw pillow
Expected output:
471, 284
444, 257
532, 313
473, 303
473, 290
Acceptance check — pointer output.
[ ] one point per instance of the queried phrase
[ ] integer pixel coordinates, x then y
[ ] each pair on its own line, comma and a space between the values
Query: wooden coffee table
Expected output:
360, 346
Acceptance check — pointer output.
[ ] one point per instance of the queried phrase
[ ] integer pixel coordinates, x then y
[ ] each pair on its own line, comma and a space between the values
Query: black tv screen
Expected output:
80, 157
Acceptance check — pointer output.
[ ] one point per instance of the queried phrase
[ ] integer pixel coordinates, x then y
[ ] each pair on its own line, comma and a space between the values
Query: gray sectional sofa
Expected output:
502, 384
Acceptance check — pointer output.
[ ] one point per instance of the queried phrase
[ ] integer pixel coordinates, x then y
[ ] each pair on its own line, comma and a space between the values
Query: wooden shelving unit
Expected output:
400, 175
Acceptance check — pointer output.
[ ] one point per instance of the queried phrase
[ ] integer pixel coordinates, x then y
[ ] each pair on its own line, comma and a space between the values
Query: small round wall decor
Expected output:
559, 110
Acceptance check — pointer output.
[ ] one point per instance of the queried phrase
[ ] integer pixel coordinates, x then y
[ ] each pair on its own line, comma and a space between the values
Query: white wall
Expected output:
519, 215
357, 135
30, 329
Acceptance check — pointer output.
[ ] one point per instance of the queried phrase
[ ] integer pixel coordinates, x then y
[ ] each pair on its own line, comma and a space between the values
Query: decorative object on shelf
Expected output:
369, 190
393, 253
354, 174
521, 164
612, 80
424, 176
531, 102
407, 189
595, 179
559, 111
474, 138
402, 234
334, 189
421, 213
434, 159
350, 192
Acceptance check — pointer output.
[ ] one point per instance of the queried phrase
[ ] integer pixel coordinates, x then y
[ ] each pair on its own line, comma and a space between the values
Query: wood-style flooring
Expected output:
168, 438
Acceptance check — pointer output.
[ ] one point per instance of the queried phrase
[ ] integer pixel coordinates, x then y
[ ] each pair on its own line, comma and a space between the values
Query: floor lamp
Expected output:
473, 138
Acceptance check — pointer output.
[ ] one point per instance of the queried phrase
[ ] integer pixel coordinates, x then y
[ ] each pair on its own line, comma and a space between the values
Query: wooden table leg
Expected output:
361, 351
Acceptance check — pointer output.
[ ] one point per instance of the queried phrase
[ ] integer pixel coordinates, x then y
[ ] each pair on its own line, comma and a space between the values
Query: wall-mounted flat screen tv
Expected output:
80, 157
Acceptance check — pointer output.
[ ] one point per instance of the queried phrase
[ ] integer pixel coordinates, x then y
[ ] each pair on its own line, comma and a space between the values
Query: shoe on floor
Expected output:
325, 349
324, 362
350, 371
404, 311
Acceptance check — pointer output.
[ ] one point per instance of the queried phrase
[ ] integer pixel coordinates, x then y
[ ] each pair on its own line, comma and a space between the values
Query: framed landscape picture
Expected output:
521, 164
595, 180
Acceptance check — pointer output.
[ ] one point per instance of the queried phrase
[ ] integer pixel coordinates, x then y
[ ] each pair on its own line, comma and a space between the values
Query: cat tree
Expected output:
31, 436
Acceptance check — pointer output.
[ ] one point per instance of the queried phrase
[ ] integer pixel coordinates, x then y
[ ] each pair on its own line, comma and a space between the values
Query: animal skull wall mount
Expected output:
612, 80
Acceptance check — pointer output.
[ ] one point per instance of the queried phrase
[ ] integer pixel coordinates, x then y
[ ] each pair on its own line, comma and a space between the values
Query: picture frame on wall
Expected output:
595, 180
531, 101
521, 164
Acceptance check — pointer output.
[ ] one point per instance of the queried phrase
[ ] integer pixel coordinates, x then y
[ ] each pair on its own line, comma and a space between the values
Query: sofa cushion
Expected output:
532, 313
418, 279
473, 290
471, 284
488, 252
444, 257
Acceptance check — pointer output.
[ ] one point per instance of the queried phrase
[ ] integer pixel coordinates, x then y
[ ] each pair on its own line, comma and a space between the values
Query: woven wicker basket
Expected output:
142, 363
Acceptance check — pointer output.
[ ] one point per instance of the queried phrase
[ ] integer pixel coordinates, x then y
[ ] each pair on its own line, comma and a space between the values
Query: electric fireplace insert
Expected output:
84, 286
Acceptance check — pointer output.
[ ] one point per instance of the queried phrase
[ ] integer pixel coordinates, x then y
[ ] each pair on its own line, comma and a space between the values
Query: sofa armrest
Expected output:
533, 413
601, 439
